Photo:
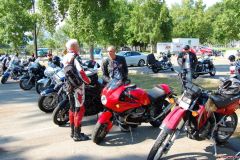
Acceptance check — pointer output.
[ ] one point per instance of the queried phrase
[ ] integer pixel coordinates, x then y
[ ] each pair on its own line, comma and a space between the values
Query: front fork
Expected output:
168, 144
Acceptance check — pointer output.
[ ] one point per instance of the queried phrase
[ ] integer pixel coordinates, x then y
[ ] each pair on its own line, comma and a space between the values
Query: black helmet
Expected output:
56, 60
230, 86
232, 58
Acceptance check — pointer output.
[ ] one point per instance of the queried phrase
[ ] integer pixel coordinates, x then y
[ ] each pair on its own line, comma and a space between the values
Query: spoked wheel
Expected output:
160, 146
61, 113
226, 128
99, 133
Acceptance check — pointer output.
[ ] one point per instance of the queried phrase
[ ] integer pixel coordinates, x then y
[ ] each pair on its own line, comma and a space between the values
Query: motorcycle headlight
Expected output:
104, 100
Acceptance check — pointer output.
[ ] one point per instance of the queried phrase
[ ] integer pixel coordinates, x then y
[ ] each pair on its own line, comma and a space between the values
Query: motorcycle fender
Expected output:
172, 120
105, 118
44, 81
47, 92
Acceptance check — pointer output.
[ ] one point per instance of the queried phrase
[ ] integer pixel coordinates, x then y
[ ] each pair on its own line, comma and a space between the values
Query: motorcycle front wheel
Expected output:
99, 133
159, 147
212, 71
40, 87
61, 113
48, 103
4, 80
25, 85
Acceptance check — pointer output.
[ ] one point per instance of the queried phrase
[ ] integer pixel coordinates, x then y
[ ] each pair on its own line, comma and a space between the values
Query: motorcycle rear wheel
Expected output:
154, 69
61, 113
158, 122
99, 132
222, 137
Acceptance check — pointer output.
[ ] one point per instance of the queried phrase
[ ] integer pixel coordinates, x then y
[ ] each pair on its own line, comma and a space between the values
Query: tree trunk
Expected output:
91, 51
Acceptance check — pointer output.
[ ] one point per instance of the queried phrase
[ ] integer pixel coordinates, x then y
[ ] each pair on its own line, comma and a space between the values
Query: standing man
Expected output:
114, 67
76, 92
187, 60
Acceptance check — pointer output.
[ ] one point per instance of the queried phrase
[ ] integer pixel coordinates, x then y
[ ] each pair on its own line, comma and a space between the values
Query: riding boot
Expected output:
78, 136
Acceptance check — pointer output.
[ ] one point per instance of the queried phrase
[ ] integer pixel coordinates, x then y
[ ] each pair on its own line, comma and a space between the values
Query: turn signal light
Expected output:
194, 113
171, 100
117, 105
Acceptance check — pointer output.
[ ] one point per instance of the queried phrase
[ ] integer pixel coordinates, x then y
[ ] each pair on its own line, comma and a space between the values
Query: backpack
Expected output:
71, 74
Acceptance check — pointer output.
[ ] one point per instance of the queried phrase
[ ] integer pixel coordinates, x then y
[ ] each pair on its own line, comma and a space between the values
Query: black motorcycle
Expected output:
92, 104
204, 66
35, 73
163, 64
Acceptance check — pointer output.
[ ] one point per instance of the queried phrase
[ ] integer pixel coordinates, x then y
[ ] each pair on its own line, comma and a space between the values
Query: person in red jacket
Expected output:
76, 95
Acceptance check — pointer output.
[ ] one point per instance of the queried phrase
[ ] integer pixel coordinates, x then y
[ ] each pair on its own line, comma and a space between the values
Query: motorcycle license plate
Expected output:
185, 102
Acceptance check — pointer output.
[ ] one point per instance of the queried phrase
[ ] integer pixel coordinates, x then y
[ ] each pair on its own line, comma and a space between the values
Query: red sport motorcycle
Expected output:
128, 106
202, 114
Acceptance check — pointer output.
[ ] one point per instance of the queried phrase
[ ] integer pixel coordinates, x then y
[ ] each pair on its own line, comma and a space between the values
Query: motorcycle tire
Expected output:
155, 70
99, 132
155, 153
25, 86
43, 103
158, 122
40, 87
213, 71
4, 80
221, 140
61, 113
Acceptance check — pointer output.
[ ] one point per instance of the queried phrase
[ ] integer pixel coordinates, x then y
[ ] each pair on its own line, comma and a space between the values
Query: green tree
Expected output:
150, 22
15, 21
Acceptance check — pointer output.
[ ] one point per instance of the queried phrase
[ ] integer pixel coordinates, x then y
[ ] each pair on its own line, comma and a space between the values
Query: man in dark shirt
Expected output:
187, 60
114, 67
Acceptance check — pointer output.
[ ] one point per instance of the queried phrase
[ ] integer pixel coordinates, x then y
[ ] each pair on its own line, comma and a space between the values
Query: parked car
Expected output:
134, 58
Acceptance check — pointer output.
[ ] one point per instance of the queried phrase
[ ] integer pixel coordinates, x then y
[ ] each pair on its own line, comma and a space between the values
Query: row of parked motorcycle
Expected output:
200, 113
204, 66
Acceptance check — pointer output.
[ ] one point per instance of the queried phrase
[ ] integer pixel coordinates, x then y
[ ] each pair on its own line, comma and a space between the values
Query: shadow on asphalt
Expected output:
82, 157
11, 93
190, 156
138, 135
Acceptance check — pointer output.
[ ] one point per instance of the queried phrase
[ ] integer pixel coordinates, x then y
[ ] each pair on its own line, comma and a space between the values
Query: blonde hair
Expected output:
70, 43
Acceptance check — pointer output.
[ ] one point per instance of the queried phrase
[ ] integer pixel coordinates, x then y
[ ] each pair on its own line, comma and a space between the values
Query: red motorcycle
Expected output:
129, 106
202, 114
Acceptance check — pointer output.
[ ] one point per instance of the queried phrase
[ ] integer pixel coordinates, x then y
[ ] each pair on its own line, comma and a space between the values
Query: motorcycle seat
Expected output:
156, 94
221, 101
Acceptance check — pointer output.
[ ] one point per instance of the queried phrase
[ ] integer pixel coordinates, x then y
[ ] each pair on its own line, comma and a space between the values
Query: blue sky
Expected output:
207, 2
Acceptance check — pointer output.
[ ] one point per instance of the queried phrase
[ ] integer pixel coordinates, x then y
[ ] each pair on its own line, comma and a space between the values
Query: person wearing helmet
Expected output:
187, 60
57, 61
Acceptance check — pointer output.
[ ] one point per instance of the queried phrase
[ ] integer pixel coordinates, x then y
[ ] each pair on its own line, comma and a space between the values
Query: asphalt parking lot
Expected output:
26, 133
